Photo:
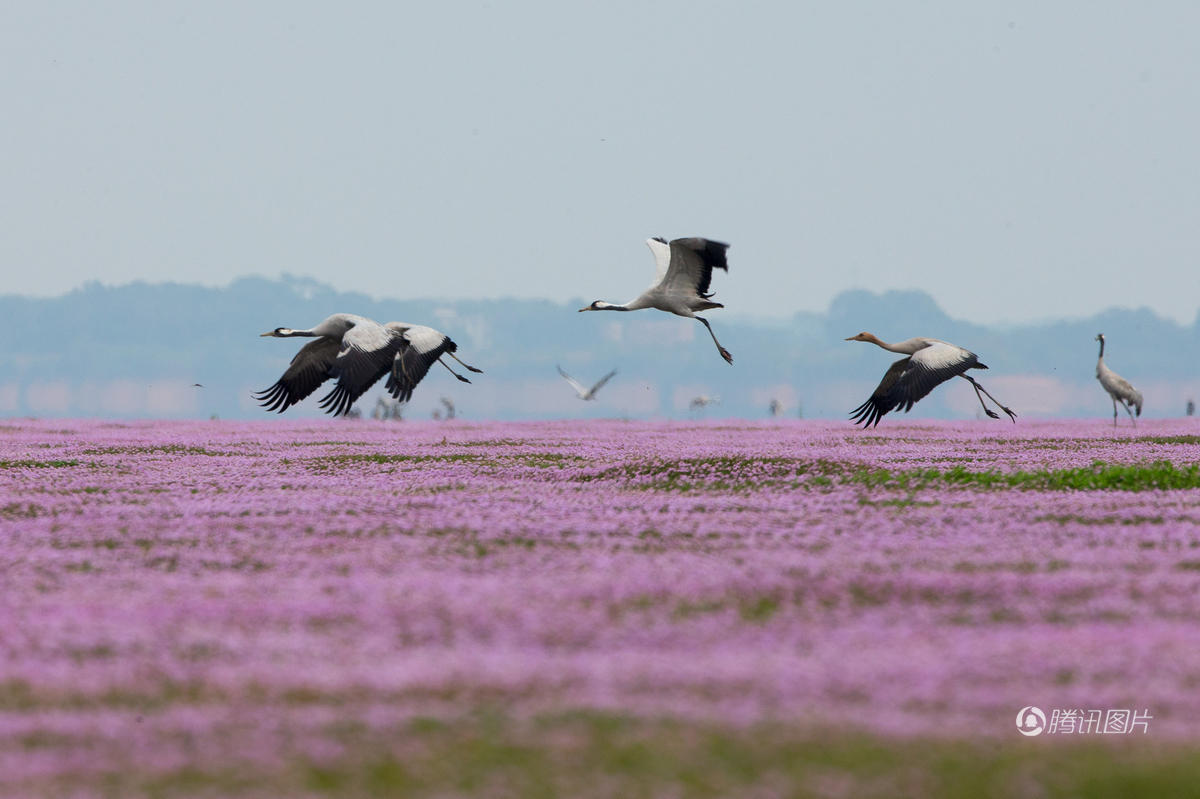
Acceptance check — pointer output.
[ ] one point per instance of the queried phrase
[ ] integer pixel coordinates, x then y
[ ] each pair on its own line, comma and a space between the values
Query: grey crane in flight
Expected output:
681, 283
1118, 388
929, 362
424, 347
357, 351
582, 391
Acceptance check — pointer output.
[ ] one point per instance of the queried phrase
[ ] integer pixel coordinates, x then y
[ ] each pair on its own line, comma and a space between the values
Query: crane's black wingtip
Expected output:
868, 414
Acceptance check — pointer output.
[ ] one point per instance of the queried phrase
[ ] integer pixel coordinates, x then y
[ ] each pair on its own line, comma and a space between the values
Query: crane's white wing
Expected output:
662, 259
580, 389
366, 355
422, 348
424, 339
367, 336
910, 379
309, 369
600, 383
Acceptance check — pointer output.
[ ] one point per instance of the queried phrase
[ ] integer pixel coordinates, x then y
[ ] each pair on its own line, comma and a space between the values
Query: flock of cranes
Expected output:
357, 352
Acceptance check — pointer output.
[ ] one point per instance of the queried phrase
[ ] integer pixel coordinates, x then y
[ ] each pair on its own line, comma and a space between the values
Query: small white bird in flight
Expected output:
357, 351
930, 362
583, 392
1118, 388
681, 283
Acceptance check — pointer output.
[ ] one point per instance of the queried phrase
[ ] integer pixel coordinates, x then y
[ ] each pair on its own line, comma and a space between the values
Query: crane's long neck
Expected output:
892, 347
1101, 348
903, 347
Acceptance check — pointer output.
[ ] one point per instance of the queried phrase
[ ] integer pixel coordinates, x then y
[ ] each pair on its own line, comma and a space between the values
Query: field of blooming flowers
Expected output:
595, 608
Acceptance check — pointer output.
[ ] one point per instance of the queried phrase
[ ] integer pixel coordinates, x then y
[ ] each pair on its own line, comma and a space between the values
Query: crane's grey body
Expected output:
582, 391
684, 273
1118, 388
357, 351
929, 363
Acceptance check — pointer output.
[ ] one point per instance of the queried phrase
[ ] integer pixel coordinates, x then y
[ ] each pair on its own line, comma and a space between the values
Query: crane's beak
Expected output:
268, 333
850, 338
581, 310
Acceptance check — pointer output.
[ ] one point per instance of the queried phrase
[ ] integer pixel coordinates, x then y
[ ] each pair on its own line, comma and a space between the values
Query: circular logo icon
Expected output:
1031, 720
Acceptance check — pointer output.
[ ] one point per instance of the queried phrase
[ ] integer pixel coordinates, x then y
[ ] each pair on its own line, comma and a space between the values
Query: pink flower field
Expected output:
595, 608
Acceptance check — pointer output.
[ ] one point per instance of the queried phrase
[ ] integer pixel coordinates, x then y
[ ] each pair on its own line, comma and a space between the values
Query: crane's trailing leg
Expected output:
469, 366
982, 404
724, 352
979, 388
1128, 410
456, 374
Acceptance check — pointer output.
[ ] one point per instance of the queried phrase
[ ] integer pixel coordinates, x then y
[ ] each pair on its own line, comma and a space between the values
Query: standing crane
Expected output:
929, 363
1118, 388
681, 284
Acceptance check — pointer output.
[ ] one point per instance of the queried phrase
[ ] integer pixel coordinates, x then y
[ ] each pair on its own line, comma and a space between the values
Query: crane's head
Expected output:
279, 332
1099, 337
864, 336
598, 305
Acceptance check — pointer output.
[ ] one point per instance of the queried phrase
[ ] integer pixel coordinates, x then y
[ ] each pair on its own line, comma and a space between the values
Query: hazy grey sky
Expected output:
1016, 160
